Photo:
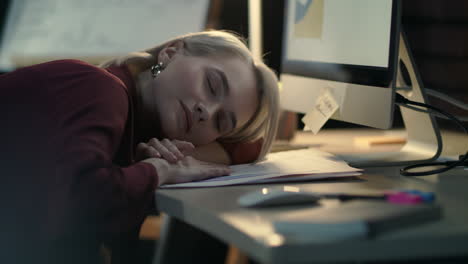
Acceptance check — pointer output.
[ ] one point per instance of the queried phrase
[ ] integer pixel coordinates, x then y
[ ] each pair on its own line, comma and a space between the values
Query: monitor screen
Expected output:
348, 41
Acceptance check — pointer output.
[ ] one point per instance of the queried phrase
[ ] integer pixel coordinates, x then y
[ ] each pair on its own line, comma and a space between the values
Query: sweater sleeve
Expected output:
91, 109
243, 152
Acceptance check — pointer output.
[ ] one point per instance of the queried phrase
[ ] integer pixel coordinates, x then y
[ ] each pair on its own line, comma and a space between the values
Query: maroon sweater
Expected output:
67, 144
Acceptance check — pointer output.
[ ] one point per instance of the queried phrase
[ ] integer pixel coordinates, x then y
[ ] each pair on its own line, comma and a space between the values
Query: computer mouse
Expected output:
268, 197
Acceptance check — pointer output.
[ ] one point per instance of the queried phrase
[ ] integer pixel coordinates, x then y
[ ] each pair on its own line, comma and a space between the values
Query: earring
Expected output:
157, 69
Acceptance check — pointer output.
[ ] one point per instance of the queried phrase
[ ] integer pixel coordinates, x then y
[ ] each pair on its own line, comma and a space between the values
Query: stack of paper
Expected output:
294, 165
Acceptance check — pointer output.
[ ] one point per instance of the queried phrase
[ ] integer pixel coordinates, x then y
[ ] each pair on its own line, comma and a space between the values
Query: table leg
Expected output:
182, 243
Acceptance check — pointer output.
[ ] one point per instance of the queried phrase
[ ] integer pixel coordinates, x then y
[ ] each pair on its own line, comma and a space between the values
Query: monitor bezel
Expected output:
348, 73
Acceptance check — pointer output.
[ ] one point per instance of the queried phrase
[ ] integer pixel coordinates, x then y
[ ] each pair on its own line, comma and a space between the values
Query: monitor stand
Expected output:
423, 142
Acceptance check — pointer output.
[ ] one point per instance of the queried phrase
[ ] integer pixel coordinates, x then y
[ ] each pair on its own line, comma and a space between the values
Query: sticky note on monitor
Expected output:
325, 106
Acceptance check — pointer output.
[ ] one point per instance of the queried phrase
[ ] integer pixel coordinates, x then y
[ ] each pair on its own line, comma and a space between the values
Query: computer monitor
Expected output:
354, 49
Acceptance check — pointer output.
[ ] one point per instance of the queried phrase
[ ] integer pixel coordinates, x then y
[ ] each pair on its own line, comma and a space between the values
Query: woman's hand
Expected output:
170, 150
187, 169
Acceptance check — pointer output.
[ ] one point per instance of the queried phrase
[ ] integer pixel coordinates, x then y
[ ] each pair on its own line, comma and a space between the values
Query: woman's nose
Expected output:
203, 113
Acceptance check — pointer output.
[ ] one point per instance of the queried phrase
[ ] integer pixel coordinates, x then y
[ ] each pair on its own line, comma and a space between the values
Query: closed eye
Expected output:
218, 86
218, 123
221, 122
225, 122
210, 86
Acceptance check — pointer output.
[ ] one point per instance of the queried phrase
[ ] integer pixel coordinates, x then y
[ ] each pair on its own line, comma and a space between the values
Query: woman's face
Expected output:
199, 99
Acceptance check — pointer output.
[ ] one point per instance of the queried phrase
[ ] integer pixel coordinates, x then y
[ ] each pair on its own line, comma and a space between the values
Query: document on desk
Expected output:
353, 220
285, 166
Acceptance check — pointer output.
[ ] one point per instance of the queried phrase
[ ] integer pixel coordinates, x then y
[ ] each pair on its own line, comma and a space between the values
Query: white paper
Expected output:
312, 164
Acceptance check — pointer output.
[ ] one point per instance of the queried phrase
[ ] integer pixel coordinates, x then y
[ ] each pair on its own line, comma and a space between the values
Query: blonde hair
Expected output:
264, 123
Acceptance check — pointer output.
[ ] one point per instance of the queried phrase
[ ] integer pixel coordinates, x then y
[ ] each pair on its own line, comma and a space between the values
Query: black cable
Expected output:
448, 165
433, 113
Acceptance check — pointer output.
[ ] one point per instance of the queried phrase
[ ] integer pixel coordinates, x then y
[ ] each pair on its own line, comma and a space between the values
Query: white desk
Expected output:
216, 212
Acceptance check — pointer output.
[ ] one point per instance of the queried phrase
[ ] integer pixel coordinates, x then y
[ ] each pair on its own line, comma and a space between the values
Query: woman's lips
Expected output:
188, 117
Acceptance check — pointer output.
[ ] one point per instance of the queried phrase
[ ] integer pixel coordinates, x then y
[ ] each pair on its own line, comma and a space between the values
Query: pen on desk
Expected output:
397, 197
346, 197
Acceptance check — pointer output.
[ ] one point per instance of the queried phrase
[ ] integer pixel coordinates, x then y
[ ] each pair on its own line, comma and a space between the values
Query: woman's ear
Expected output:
169, 51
